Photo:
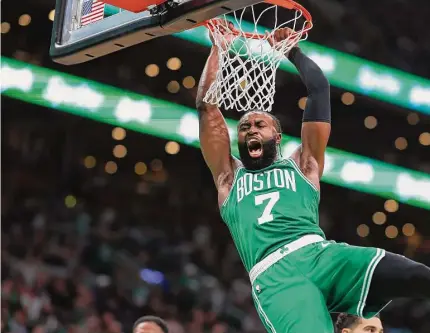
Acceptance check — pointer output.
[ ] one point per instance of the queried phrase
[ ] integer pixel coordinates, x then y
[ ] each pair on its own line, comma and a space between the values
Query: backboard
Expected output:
87, 29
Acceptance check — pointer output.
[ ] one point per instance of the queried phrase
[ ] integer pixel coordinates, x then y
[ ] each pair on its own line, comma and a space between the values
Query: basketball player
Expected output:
270, 204
347, 323
150, 324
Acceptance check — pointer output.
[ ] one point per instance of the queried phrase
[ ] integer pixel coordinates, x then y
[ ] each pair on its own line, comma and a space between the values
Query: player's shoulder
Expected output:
295, 156
237, 169
236, 163
226, 181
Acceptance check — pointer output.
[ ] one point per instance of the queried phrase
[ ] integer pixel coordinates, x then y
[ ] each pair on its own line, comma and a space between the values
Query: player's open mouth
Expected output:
255, 148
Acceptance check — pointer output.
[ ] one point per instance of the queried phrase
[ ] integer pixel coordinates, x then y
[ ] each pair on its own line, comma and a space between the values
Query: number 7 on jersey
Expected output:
272, 199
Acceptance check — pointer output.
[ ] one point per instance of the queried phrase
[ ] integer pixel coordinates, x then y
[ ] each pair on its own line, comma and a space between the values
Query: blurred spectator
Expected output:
85, 251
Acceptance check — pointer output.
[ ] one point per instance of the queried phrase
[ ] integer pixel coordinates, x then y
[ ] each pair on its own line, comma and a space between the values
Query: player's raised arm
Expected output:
214, 136
317, 115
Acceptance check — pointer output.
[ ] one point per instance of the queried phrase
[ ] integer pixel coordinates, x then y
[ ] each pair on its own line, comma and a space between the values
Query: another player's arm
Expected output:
214, 136
316, 124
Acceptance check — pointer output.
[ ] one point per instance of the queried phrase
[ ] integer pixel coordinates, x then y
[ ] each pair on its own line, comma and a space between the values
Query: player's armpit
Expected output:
225, 182
215, 145
315, 136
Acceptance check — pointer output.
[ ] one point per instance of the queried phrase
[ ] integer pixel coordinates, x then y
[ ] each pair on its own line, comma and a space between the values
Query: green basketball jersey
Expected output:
269, 208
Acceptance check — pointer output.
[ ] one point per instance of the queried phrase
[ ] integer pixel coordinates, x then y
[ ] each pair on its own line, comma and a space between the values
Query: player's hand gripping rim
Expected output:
276, 38
221, 34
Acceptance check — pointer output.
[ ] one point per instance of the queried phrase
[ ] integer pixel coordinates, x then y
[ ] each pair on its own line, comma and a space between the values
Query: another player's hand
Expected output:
224, 34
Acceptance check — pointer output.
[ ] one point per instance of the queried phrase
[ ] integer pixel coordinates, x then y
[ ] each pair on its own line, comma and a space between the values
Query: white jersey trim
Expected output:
296, 167
232, 185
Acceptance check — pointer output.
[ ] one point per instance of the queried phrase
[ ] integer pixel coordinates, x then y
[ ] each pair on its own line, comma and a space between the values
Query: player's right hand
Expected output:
222, 34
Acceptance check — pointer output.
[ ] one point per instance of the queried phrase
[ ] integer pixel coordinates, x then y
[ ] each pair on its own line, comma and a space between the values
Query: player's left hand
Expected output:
276, 38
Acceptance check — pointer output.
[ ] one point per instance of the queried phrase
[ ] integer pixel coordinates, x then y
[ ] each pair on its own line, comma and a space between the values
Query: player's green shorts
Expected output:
296, 287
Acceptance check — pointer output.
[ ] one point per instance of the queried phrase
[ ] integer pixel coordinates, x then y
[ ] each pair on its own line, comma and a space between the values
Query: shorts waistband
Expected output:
282, 252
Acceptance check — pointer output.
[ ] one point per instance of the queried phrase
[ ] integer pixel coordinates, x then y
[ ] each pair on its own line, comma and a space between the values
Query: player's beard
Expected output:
268, 156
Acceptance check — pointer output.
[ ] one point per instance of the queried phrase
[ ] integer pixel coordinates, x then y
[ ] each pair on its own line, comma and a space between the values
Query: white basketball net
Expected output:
247, 66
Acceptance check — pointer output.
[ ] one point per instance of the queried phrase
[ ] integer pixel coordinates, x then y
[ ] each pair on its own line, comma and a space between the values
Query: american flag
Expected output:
92, 11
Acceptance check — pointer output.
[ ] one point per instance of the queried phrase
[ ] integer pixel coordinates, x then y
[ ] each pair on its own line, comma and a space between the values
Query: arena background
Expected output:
109, 212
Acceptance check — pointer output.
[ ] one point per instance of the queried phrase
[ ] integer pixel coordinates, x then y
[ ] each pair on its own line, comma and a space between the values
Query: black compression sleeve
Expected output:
318, 103
397, 276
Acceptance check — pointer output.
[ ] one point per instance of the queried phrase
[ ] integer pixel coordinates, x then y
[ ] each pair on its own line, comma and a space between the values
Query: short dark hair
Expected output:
157, 320
274, 118
345, 320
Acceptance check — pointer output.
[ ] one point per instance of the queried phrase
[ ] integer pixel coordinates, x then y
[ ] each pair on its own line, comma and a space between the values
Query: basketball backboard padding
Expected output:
135, 6
126, 29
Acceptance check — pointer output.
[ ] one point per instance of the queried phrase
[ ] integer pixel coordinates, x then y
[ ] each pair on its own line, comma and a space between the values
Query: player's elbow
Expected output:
203, 107
200, 105
320, 82
314, 78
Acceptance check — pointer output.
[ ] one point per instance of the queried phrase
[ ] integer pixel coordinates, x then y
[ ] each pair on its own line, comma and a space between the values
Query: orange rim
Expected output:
289, 4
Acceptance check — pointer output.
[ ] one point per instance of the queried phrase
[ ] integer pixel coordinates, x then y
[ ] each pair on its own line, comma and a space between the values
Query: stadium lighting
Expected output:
363, 230
189, 82
424, 139
401, 143
348, 98
119, 151
24, 20
51, 15
90, 162
391, 231
172, 148
111, 167
302, 102
70, 201
413, 118
391, 206
174, 64
379, 218
171, 121
152, 70
408, 229
370, 122
5, 27
118, 133
173, 87
140, 168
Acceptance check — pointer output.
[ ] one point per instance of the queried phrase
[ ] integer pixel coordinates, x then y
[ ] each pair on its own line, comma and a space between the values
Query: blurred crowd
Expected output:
98, 265
389, 32
87, 251
65, 270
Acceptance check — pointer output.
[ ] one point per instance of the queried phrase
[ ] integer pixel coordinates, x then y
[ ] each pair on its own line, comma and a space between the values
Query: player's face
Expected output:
257, 141
148, 327
372, 325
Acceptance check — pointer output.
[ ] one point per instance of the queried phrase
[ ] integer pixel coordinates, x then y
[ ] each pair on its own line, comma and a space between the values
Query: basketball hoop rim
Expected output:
289, 4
